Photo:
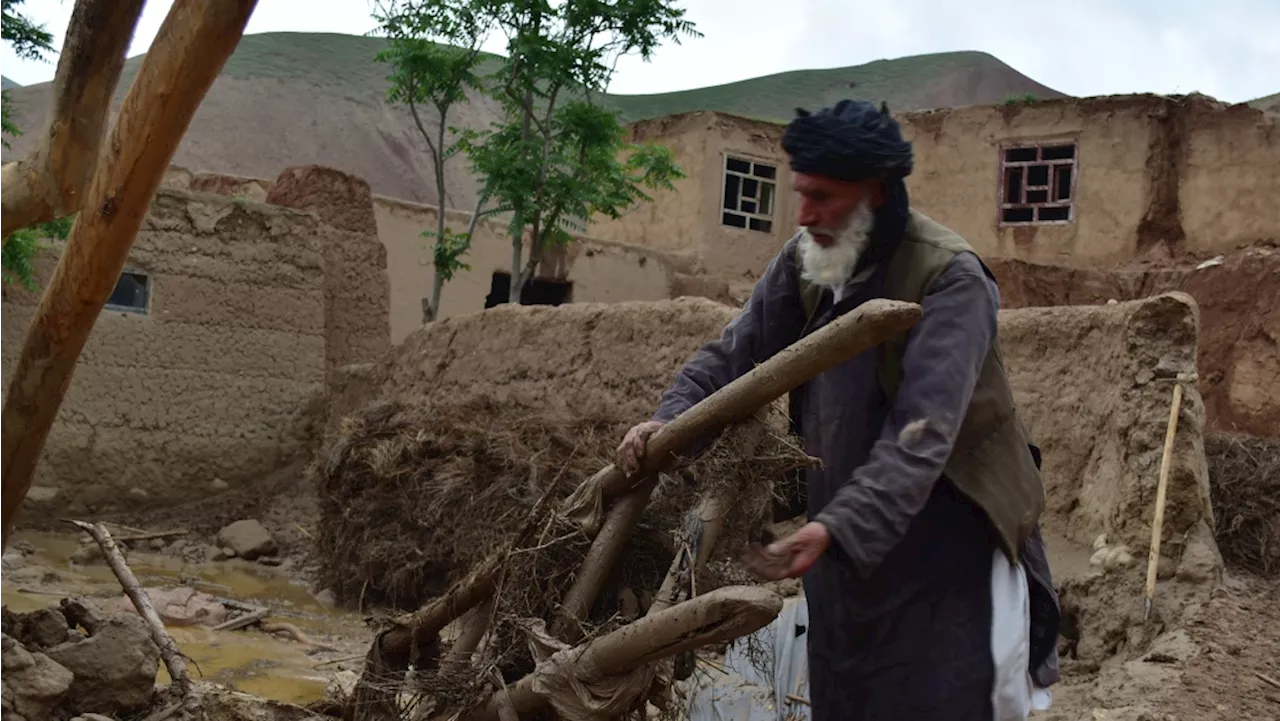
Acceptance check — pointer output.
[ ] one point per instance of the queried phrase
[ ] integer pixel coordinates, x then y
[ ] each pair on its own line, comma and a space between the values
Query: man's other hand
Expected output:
632, 448
790, 557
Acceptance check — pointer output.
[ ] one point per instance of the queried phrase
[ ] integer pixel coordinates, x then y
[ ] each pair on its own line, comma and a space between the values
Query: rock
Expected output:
115, 667
1165, 568
158, 544
33, 684
218, 484
1201, 560
628, 604
88, 552
41, 495
222, 554
13, 560
44, 628
92, 717
269, 561
183, 606
327, 598
139, 493
248, 539
24, 547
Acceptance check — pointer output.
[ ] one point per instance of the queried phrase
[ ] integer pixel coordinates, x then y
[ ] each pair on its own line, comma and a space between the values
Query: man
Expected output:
928, 589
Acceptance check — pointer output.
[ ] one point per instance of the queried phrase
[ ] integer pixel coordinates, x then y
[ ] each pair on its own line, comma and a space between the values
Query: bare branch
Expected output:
51, 181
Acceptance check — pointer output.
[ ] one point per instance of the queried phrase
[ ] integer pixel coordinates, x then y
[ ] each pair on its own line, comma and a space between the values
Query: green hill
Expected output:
296, 98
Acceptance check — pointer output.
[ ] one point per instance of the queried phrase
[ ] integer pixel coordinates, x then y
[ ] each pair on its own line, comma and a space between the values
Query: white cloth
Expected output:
1014, 693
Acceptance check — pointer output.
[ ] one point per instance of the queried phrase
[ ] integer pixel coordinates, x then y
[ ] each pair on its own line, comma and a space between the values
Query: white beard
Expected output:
833, 266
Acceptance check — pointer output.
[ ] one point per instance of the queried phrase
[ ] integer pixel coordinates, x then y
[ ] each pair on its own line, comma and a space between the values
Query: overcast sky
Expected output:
1230, 50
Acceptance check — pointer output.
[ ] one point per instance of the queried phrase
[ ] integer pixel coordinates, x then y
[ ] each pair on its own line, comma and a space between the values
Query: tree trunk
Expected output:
50, 182
437, 153
189, 51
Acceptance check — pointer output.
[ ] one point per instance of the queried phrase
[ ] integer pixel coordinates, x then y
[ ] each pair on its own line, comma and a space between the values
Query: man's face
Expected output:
826, 204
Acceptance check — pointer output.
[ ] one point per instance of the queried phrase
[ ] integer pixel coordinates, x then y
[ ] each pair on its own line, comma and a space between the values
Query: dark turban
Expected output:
852, 141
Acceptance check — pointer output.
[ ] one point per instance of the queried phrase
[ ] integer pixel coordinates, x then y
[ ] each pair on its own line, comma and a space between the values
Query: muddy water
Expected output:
250, 660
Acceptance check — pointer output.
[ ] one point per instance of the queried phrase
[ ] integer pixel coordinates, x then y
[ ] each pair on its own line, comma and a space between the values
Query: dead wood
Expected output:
717, 617
50, 182
248, 619
858, 330
189, 51
293, 632
173, 659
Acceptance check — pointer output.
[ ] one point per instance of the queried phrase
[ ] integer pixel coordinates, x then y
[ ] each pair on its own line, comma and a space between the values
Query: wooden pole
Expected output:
720, 616
1157, 524
50, 182
189, 51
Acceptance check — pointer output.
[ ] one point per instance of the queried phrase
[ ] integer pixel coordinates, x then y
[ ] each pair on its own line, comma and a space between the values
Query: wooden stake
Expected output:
716, 617
1157, 524
50, 182
173, 659
189, 51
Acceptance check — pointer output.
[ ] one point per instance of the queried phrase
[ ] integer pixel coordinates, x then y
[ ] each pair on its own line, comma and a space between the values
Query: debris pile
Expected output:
1246, 500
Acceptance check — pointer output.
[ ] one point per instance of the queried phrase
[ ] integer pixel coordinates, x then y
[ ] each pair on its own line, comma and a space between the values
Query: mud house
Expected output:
1082, 182
207, 369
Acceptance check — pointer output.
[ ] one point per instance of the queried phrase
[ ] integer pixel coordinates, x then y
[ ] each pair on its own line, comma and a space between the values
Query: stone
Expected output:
222, 554
158, 544
44, 628
139, 493
327, 598
1201, 561
182, 606
92, 717
218, 484
41, 495
248, 539
115, 667
13, 560
33, 684
1165, 568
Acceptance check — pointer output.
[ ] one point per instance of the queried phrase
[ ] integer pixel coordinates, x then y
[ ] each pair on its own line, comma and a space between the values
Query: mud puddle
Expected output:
266, 665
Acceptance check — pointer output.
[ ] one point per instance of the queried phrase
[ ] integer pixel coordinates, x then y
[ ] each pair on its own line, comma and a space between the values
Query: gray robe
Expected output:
899, 606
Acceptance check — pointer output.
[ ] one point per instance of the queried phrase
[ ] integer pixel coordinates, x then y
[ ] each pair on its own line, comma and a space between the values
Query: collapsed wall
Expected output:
1239, 300
1095, 384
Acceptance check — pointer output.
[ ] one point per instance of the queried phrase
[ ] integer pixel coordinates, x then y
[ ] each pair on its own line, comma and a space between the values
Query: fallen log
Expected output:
860, 329
51, 180
189, 51
173, 659
717, 617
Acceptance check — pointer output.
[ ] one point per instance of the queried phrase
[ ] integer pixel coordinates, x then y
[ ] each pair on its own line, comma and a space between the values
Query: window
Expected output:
132, 293
749, 192
1037, 183
536, 291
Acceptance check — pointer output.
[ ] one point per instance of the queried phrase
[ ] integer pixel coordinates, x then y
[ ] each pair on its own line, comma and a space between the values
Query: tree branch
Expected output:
50, 182
189, 51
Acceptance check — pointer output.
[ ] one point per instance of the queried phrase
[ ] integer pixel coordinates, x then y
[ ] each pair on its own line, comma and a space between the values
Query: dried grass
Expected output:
412, 497
1244, 481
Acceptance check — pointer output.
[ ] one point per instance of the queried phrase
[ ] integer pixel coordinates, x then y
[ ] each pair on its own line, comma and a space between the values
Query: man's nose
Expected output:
807, 214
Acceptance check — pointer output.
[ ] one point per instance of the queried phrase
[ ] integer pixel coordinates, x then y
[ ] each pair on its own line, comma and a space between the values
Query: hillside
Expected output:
292, 98
1268, 103
6, 83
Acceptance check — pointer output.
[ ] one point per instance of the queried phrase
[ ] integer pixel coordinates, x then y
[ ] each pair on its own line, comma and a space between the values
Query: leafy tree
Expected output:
434, 53
555, 158
29, 41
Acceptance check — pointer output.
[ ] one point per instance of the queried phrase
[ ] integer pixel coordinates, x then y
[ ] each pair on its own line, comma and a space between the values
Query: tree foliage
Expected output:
23, 246
558, 157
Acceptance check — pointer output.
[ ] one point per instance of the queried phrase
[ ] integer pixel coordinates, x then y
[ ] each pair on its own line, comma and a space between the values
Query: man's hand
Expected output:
791, 557
632, 448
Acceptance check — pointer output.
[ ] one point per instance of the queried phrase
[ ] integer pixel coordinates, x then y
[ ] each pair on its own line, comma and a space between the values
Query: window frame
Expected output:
134, 310
770, 218
1039, 145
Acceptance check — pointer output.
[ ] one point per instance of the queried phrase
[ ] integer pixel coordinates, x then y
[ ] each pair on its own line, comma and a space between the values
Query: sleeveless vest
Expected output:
992, 461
